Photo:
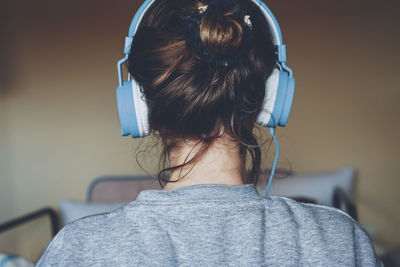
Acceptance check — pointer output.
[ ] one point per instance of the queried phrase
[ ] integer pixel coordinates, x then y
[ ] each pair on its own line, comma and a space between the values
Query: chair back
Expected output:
119, 188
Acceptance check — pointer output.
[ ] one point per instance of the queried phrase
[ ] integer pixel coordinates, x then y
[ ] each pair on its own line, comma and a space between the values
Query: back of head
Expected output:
202, 68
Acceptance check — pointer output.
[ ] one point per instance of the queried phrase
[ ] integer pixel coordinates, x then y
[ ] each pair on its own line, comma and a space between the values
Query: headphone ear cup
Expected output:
279, 92
288, 100
132, 110
266, 118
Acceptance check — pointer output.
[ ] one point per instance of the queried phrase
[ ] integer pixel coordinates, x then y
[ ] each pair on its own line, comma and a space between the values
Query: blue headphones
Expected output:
279, 89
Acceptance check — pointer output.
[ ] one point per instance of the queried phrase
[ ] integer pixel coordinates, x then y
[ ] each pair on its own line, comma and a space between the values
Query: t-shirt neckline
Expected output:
202, 192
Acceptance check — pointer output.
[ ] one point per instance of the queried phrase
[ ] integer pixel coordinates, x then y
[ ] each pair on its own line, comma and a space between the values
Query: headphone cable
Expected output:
272, 132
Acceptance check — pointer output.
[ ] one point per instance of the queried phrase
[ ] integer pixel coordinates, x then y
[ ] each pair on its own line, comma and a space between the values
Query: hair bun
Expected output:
220, 34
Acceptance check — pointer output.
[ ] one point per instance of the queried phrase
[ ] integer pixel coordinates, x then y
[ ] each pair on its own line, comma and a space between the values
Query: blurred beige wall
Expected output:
58, 121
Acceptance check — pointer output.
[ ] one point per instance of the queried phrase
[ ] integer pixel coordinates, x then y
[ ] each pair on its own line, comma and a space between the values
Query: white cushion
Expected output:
315, 186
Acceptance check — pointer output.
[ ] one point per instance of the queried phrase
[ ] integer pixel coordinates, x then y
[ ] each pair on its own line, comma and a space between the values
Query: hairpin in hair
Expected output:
202, 9
247, 21
220, 6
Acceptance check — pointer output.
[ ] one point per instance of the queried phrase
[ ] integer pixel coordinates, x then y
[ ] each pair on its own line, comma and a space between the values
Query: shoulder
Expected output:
309, 211
326, 231
95, 226
80, 241
323, 217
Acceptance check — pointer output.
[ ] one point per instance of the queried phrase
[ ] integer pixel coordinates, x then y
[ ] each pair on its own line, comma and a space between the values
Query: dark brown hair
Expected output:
190, 98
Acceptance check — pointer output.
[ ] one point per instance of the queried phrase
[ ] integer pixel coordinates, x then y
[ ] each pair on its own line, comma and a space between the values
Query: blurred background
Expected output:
59, 126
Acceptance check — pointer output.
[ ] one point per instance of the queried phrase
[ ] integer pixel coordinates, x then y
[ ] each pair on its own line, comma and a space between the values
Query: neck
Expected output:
221, 163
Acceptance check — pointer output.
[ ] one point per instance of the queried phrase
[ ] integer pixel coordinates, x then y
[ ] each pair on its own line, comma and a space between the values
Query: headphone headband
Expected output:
272, 22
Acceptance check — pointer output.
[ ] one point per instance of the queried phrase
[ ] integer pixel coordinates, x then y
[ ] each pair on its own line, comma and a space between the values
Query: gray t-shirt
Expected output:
213, 225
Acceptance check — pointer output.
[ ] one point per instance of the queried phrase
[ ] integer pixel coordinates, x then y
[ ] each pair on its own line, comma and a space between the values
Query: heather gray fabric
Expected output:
212, 225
